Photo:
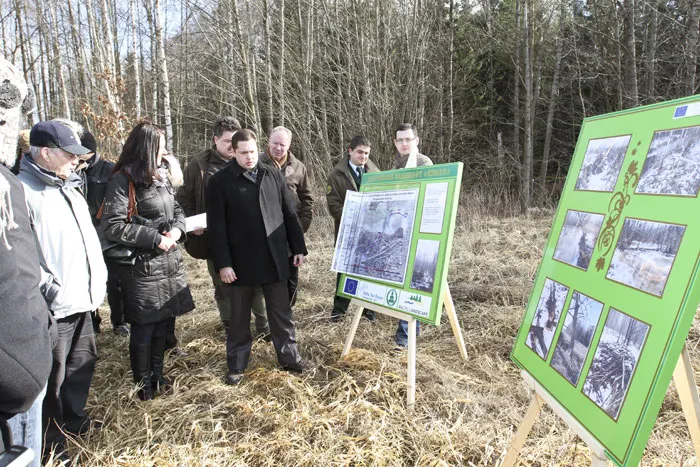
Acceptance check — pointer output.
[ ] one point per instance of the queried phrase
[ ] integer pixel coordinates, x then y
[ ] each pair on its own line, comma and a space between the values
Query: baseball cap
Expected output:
56, 135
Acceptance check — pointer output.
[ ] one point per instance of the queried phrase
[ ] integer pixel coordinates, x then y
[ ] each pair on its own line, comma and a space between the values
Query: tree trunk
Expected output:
65, 104
135, 51
526, 198
631, 94
268, 70
692, 45
163, 75
651, 50
553, 100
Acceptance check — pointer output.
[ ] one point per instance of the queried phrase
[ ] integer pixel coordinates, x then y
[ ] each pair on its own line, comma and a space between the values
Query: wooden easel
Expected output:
411, 370
685, 385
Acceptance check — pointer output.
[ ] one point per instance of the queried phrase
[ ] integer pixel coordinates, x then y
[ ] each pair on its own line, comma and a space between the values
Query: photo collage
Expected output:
617, 352
594, 347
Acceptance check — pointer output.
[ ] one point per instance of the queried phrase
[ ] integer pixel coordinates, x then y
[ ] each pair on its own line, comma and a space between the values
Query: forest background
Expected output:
501, 85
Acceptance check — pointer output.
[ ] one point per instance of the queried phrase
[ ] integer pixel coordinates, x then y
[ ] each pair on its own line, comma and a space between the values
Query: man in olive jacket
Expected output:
252, 226
347, 175
294, 173
192, 199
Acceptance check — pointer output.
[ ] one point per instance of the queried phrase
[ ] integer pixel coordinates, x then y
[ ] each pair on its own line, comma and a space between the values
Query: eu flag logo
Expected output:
350, 286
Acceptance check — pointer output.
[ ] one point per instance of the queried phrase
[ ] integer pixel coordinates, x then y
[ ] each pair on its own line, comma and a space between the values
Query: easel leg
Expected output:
353, 328
452, 316
411, 371
688, 393
516, 444
598, 461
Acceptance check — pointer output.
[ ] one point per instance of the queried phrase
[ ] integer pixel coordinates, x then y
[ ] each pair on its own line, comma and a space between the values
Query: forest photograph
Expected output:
577, 238
424, 265
672, 166
615, 360
602, 163
575, 338
546, 318
644, 254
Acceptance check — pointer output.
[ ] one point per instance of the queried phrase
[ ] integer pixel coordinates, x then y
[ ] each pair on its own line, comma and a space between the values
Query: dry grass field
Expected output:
354, 412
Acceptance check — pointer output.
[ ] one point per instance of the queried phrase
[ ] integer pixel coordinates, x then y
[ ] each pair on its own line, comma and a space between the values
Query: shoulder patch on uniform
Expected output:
329, 189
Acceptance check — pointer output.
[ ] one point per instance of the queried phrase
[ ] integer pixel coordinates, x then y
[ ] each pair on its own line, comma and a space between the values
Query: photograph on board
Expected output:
382, 238
577, 238
644, 254
424, 265
672, 166
546, 319
575, 338
614, 362
602, 163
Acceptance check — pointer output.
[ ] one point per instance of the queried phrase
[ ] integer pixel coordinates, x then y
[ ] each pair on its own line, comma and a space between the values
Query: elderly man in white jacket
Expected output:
75, 275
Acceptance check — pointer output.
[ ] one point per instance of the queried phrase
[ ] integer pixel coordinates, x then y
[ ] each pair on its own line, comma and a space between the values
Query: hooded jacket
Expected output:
74, 277
340, 180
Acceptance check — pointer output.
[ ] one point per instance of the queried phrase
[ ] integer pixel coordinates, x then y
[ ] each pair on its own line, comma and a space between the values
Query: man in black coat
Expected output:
252, 226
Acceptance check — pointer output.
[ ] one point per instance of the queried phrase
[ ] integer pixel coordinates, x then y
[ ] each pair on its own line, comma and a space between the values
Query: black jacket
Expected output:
155, 288
252, 225
97, 174
25, 340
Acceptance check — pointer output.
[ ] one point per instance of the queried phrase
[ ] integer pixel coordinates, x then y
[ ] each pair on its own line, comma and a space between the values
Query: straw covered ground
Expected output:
354, 412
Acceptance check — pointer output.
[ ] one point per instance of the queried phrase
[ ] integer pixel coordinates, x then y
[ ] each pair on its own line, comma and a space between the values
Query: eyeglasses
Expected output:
404, 140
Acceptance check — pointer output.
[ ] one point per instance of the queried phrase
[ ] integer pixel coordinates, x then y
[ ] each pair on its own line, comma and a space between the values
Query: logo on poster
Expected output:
350, 286
392, 297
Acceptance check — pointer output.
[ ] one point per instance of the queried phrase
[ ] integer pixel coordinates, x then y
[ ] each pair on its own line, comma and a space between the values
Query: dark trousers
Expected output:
114, 294
170, 337
340, 304
67, 390
292, 282
239, 340
144, 333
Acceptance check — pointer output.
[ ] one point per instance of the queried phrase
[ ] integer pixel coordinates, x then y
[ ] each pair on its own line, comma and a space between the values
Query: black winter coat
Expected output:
252, 225
25, 338
155, 288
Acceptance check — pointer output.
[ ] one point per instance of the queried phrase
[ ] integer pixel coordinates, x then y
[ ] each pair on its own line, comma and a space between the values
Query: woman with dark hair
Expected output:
154, 287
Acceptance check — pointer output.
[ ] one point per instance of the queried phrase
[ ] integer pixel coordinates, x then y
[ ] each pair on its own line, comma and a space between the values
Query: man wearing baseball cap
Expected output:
74, 275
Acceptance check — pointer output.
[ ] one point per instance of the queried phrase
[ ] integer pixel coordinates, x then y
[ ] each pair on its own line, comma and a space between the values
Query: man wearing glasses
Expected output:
406, 141
191, 196
74, 275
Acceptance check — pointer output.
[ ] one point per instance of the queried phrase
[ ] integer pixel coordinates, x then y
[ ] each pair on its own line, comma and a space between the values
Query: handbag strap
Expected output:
131, 209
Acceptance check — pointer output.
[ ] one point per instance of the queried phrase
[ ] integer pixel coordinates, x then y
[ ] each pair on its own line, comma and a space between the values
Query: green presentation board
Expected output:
616, 290
395, 238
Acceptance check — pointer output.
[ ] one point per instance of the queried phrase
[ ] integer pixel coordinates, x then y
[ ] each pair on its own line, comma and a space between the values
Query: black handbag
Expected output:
196, 246
118, 253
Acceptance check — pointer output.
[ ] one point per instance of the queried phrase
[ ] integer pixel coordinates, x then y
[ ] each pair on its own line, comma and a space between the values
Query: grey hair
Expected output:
36, 151
281, 129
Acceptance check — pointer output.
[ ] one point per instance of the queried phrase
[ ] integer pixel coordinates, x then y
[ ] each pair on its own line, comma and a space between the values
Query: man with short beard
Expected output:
192, 199
294, 172
75, 283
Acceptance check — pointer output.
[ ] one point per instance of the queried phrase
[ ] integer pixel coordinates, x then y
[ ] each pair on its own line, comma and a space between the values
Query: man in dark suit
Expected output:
252, 225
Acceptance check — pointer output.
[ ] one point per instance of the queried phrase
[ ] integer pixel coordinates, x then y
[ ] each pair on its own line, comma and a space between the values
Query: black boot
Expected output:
141, 369
158, 382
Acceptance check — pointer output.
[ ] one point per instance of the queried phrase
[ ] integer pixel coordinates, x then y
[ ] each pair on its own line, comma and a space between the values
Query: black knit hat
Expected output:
89, 141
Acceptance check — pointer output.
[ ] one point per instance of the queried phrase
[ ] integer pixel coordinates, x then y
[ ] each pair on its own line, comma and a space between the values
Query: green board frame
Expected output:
630, 242
424, 305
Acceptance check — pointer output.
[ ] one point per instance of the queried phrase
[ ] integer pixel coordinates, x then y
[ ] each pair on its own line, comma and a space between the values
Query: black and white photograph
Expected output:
575, 338
672, 166
377, 246
614, 362
644, 254
424, 265
602, 163
577, 238
546, 318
